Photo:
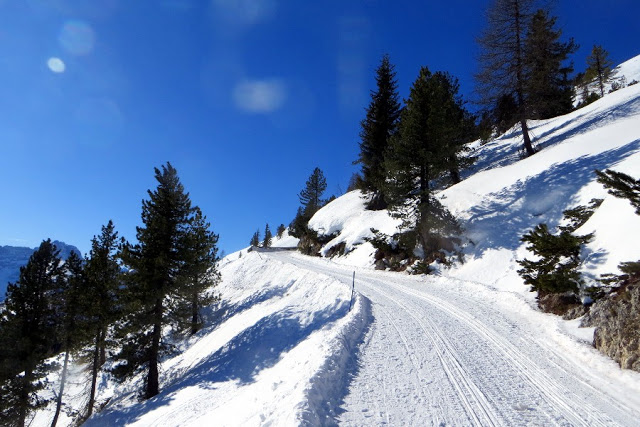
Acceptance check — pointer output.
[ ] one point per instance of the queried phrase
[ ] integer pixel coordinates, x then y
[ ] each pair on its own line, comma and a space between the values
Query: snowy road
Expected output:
445, 352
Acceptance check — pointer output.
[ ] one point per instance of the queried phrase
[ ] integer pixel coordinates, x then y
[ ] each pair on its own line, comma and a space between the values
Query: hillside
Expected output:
466, 346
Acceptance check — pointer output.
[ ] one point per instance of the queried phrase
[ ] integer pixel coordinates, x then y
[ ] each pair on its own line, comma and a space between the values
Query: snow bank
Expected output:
347, 217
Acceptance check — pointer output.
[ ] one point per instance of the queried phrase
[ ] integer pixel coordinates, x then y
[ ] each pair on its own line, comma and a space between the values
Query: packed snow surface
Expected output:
466, 346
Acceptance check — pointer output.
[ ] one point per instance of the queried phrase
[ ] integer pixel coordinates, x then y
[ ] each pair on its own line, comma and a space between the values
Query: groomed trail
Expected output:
441, 351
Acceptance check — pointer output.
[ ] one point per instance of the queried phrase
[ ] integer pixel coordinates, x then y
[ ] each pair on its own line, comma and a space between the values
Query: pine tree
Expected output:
29, 325
154, 267
280, 231
450, 125
599, 67
505, 113
266, 243
419, 154
622, 186
199, 274
502, 58
71, 316
255, 239
311, 195
548, 89
378, 126
100, 302
556, 269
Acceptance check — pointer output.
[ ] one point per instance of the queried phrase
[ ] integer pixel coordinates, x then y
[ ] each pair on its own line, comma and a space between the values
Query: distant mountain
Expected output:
14, 257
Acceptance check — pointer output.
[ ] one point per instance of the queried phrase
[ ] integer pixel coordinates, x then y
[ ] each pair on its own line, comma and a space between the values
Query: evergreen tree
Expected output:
199, 274
505, 113
556, 270
549, 90
70, 315
502, 58
280, 231
29, 325
155, 265
621, 185
378, 126
449, 124
419, 154
100, 302
255, 239
298, 226
311, 195
266, 243
599, 67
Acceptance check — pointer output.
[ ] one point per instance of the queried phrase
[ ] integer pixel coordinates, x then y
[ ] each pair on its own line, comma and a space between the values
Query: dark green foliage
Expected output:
255, 239
630, 268
485, 127
156, 273
355, 182
100, 302
311, 195
548, 89
280, 231
298, 226
311, 201
505, 113
268, 237
378, 126
599, 67
579, 215
502, 58
430, 132
198, 275
621, 185
29, 332
556, 270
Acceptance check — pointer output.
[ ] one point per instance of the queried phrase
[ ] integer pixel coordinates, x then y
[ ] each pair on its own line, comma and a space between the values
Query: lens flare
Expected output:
56, 65
77, 37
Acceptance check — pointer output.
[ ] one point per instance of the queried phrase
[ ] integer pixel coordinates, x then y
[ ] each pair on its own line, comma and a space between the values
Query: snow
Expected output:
466, 346
347, 216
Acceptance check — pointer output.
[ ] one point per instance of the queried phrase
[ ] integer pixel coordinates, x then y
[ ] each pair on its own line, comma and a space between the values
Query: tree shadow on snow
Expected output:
225, 310
257, 348
506, 154
501, 221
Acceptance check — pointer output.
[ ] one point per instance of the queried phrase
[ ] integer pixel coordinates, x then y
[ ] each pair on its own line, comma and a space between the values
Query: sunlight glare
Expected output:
56, 65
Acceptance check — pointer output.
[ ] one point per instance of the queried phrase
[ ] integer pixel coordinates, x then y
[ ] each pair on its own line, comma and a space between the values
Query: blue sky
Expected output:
243, 97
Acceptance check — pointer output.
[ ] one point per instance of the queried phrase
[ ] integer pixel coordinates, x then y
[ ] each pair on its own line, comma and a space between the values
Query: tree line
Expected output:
111, 310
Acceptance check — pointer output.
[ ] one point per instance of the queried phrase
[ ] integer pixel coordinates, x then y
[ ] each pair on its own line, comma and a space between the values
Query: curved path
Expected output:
437, 354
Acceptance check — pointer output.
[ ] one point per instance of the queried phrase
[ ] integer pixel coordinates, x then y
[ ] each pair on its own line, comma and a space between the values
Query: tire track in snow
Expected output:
455, 372
552, 391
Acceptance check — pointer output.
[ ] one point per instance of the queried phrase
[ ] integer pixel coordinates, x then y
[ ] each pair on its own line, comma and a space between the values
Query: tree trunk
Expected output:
103, 346
63, 380
23, 401
95, 366
152, 377
454, 174
527, 141
194, 313
522, 110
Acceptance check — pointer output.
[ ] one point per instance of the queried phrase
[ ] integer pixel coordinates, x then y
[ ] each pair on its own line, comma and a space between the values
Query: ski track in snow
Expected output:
437, 357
